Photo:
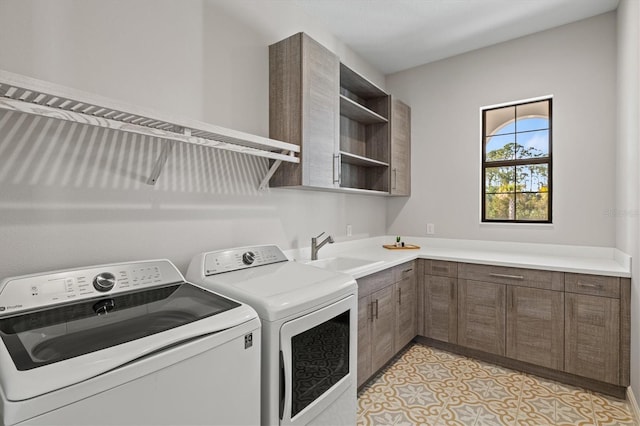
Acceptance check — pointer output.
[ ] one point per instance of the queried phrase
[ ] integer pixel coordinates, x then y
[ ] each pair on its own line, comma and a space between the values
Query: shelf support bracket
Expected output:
160, 162
264, 184
164, 155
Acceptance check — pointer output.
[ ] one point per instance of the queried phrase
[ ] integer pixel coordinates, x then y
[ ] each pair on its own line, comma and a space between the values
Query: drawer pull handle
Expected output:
511, 277
589, 285
407, 270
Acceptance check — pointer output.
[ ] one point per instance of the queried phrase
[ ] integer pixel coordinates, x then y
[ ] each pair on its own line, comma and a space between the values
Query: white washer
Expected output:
309, 331
129, 343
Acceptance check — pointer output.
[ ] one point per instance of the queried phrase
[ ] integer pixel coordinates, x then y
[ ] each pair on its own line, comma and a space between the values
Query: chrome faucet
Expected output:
315, 247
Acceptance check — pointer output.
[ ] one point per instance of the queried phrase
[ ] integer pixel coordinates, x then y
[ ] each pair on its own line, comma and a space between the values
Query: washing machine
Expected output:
309, 331
125, 344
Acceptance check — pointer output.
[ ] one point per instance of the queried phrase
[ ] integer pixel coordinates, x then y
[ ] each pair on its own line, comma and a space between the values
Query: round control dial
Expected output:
248, 258
104, 281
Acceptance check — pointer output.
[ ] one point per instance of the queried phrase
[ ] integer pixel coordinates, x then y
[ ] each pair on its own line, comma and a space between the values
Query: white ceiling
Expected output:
394, 35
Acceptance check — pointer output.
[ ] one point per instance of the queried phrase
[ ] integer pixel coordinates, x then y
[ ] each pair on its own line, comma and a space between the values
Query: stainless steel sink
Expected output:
348, 265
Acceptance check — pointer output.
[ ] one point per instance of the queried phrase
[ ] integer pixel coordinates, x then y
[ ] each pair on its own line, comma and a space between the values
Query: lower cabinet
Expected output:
481, 316
382, 327
387, 317
571, 323
440, 308
364, 340
407, 308
592, 329
376, 316
376, 323
534, 326
567, 322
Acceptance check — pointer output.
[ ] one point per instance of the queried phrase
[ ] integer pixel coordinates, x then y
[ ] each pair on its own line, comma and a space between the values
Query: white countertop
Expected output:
564, 258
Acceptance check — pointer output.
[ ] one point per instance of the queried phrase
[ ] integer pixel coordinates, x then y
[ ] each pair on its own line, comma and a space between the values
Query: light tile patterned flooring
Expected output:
426, 386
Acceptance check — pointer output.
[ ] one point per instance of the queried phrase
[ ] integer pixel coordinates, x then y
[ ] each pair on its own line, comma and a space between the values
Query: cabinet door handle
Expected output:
511, 300
395, 178
589, 285
511, 277
452, 291
337, 169
376, 308
399, 296
371, 311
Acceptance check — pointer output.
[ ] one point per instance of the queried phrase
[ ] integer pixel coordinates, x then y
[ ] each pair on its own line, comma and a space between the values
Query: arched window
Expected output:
516, 162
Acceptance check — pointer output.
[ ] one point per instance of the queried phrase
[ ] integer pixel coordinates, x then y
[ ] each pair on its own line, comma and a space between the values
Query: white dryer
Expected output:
309, 330
129, 343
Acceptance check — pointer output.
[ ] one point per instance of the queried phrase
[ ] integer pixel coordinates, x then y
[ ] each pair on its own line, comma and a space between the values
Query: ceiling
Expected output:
394, 35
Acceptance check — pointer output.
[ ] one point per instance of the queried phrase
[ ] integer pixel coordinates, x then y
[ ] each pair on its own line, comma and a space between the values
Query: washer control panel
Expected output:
29, 292
217, 262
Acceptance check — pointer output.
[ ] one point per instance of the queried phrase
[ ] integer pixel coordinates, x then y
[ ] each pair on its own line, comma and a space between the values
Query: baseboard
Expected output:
633, 403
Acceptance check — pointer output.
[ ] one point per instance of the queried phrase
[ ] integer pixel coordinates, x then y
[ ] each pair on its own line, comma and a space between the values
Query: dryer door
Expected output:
318, 357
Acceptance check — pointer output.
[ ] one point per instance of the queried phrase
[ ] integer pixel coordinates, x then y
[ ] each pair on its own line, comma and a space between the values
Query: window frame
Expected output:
516, 162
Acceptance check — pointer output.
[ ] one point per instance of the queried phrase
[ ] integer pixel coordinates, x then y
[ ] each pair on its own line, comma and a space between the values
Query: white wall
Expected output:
69, 198
576, 63
628, 161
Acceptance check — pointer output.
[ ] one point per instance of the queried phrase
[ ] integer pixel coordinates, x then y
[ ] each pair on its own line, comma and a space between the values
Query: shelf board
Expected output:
362, 191
36, 97
359, 113
359, 85
358, 160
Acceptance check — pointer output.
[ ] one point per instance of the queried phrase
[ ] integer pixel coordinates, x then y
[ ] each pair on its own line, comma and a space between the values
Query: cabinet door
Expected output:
406, 312
592, 337
383, 327
320, 118
400, 149
535, 331
364, 339
481, 320
441, 308
304, 82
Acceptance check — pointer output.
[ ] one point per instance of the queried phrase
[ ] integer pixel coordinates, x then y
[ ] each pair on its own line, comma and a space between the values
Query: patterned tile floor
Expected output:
426, 386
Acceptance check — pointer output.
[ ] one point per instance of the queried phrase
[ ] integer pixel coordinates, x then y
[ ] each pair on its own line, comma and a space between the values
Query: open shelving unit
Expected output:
36, 97
364, 133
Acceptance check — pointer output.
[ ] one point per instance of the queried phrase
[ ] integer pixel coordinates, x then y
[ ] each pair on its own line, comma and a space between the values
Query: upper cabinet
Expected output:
303, 110
400, 149
352, 137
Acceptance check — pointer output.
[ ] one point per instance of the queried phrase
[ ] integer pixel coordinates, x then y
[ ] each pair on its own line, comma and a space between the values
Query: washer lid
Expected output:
278, 290
52, 335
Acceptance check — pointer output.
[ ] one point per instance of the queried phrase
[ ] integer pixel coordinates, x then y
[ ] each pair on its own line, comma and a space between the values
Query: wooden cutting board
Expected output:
406, 247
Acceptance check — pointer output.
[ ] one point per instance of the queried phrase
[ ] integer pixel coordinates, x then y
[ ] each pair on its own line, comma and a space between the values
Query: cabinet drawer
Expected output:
512, 276
441, 268
594, 285
403, 271
374, 282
